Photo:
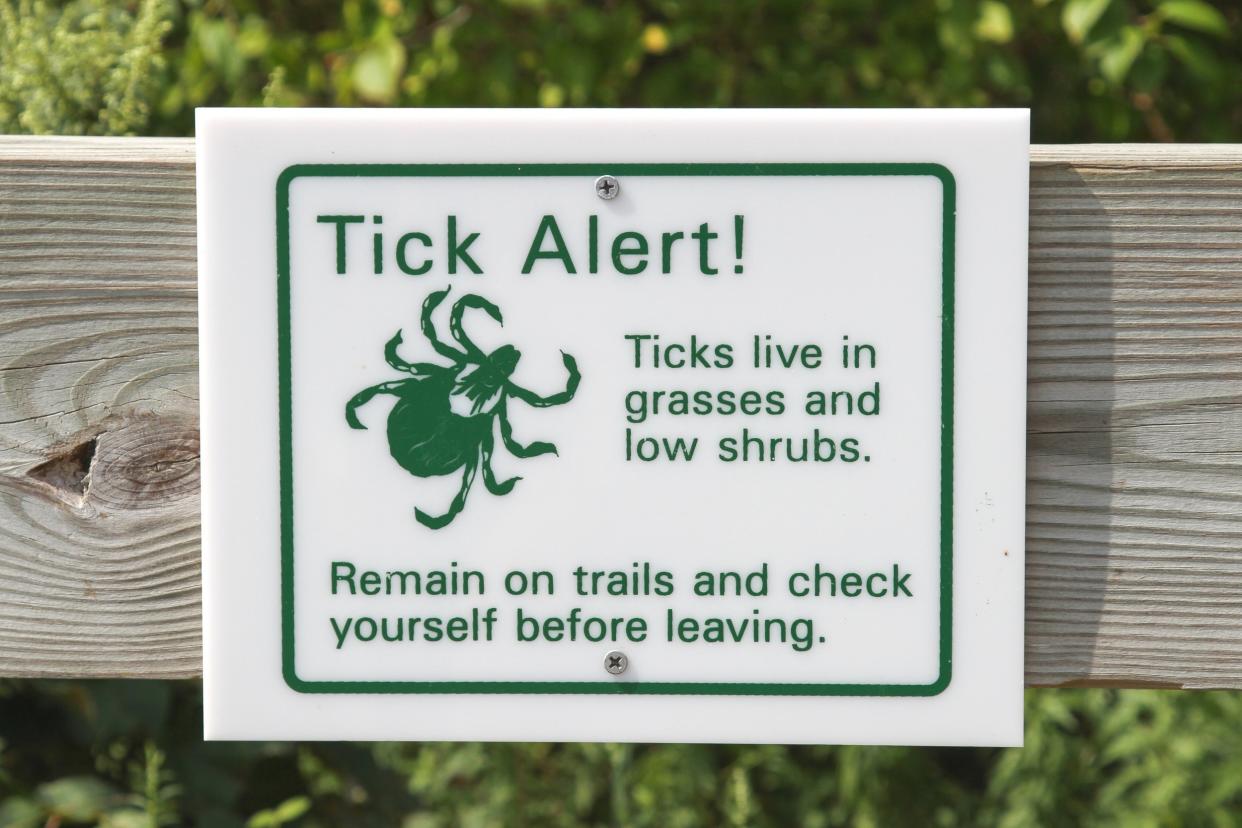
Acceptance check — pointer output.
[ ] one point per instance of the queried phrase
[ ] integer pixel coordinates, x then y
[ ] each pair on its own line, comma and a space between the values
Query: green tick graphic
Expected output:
444, 418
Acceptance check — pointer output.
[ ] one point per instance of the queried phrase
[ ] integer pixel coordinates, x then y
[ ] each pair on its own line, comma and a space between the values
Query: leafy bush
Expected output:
88, 67
125, 754
1091, 70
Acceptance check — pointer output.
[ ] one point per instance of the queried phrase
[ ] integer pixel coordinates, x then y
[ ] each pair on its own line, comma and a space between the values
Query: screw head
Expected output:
607, 187
616, 662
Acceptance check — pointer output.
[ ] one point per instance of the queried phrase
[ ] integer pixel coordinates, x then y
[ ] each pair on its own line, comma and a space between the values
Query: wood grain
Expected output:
1134, 516
1134, 523
99, 574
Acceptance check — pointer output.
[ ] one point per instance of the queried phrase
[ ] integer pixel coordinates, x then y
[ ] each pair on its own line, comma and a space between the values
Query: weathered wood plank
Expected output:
1134, 517
1134, 523
99, 569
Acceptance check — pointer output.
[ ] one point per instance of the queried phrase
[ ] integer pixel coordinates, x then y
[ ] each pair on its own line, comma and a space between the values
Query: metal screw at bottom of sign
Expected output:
607, 187
616, 662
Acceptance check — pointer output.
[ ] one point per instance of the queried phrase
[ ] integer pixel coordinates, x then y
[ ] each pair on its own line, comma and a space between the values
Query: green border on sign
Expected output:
592, 171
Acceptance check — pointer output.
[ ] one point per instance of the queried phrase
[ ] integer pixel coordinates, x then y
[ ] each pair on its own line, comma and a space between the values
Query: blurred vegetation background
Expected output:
1090, 70
131, 755
127, 754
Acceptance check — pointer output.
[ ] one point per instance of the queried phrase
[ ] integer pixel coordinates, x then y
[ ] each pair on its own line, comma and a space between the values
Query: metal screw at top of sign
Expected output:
607, 187
616, 662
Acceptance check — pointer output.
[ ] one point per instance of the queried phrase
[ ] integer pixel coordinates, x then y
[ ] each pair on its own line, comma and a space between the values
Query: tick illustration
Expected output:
444, 418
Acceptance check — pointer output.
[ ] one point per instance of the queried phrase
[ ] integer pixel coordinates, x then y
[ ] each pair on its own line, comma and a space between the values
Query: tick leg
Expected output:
571, 388
459, 502
515, 448
470, 300
364, 396
420, 370
429, 329
394, 359
502, 487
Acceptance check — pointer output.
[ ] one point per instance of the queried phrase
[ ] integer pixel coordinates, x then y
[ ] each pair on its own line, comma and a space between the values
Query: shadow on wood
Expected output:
1134, 574
1070, 372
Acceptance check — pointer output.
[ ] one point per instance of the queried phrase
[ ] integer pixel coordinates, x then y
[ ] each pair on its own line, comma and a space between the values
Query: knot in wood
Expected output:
145, 463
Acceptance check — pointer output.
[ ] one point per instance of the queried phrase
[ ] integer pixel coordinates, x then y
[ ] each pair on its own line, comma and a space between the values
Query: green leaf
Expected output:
1196, 57
125, 818
1120, 53
551, 95
21, 813
377, 71
282, 814
995, 22
1149, 71
77, 798
218, 42
1079, 16
1194, 14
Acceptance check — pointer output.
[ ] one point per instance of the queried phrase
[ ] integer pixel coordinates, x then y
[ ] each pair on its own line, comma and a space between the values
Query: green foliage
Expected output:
129, 754
87, 67
1091, 70
286, 813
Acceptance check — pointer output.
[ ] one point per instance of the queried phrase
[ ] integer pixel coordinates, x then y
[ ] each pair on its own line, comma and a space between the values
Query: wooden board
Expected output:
1134, 523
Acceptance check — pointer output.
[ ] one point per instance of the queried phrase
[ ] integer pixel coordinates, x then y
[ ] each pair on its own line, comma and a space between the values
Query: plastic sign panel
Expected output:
630, 425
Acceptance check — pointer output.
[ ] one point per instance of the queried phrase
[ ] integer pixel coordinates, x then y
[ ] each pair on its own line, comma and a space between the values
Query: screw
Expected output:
607, 187
616, 662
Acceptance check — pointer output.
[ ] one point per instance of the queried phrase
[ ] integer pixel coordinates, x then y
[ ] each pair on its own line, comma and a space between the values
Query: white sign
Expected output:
632, 425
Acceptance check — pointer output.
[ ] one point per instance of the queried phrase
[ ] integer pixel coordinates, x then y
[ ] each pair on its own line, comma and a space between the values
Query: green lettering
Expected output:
343, 571
548, 226
458, 250
422, 239
619, 250
899, 583
340, 222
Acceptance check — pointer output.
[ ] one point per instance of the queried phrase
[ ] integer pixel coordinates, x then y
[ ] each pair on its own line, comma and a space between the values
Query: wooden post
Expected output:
1134, 522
